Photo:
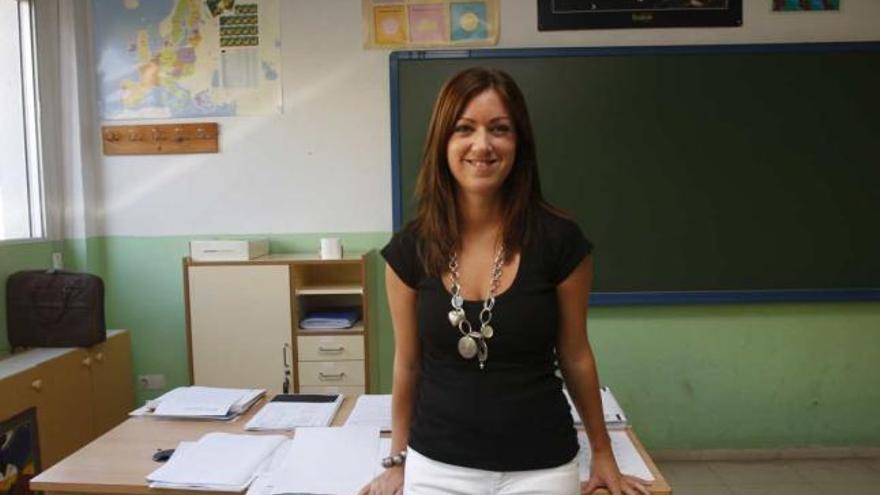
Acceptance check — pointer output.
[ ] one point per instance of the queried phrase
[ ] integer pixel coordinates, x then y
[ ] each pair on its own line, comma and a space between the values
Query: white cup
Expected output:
331, 248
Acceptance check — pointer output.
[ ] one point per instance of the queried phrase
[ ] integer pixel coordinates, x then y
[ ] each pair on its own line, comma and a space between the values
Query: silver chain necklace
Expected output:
473, 343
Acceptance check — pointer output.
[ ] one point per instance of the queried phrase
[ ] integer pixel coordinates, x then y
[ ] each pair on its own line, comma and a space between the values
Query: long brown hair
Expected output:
437, 223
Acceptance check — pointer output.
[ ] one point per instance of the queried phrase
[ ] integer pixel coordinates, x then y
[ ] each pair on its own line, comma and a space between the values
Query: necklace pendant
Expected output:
467, 347
487, 331
482, 352
456, 316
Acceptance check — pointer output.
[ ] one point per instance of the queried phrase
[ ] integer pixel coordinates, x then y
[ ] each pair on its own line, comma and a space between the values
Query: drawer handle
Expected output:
331, 349
87, 362
99, 357
37, 385
331, 376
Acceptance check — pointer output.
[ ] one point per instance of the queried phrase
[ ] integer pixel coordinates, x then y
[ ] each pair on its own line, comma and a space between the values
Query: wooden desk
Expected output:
118, 461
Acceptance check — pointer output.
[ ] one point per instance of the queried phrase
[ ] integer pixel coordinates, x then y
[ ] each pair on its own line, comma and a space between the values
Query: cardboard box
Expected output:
228, 250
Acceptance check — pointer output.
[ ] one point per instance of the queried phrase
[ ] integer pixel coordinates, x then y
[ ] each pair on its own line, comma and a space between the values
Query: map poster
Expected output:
160, 59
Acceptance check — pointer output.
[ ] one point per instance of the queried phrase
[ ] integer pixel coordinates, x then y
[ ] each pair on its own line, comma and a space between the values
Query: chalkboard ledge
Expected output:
733, 296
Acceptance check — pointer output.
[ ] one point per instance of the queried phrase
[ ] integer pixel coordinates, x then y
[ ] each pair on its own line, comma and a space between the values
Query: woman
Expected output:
488, 289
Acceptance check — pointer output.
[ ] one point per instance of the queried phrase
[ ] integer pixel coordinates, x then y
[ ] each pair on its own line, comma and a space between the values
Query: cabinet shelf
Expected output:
356, 328
331, 289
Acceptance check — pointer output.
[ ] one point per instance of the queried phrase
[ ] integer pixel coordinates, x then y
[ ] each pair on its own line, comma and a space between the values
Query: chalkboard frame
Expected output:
641, 297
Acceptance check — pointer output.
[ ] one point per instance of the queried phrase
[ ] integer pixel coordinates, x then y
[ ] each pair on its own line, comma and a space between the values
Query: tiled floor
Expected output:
803, 477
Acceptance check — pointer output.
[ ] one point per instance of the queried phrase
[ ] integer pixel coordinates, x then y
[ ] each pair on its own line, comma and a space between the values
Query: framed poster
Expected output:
19, 453
430, 23
564, 15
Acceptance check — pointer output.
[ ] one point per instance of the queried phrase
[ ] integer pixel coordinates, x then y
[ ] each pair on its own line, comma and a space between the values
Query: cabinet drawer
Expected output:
325, 347
331, 373
346, 391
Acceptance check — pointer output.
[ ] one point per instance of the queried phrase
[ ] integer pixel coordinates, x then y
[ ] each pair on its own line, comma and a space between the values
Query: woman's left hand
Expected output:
605, 474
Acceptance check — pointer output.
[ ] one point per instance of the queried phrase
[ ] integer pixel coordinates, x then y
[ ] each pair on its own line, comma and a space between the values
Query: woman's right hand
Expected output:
389, 482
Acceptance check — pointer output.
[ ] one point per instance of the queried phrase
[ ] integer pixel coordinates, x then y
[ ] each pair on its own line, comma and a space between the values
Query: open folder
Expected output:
198, 402
286, 412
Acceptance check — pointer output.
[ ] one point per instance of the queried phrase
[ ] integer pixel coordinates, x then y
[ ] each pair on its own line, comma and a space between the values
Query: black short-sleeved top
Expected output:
512, 415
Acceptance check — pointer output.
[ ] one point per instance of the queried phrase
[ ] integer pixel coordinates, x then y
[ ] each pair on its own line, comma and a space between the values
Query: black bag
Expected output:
54, 309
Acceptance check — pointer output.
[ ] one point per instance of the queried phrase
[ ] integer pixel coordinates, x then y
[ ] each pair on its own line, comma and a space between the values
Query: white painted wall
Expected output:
324, 165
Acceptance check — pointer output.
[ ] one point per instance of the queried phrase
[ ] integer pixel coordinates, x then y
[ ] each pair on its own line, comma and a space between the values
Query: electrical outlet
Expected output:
57, 261
152, 382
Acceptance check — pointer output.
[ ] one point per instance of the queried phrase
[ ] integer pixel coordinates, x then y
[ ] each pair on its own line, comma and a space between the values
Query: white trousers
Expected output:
424, 476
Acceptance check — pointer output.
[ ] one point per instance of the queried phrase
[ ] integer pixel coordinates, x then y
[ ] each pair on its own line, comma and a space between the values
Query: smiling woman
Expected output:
488, 290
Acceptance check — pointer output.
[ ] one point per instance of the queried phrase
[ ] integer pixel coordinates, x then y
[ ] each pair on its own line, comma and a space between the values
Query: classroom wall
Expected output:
691, 377
331, 146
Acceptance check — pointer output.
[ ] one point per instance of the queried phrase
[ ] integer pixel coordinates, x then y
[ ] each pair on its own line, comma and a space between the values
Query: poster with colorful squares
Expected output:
469, 21
430, 23
390, 24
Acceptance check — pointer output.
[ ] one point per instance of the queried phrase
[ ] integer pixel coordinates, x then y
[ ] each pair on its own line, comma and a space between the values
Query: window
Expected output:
21, 185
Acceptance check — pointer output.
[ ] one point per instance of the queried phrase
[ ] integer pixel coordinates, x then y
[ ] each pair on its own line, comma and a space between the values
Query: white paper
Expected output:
262, 484
218, 461
625, 453
205, 401
371, 410
328, 461
614, 416
240, 68
290, 415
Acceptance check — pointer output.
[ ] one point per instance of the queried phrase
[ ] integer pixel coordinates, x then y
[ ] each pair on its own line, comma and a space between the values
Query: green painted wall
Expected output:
15, 257
143, 278
690, 377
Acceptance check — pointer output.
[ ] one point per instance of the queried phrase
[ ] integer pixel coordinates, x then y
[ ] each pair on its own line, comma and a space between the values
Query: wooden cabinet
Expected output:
243, 324
78, 393
111, 367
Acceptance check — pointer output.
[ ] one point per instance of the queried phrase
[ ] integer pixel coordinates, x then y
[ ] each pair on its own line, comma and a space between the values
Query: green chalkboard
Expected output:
705, 169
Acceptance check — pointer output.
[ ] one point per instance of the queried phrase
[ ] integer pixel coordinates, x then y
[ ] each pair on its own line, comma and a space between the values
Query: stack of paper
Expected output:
371, 410
289, 411
329, 461
201, 403
328, 320
262, 485
614, 416
216, 462
625, 453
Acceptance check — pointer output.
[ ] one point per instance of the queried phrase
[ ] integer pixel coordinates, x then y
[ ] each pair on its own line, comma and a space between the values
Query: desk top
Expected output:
118, 461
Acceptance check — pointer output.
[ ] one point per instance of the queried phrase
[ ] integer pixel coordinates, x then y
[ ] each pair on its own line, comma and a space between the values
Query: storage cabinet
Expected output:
78, 393
243, 324
111, 369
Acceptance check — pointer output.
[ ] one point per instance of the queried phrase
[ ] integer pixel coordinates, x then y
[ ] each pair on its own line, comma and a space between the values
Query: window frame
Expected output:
31, 122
